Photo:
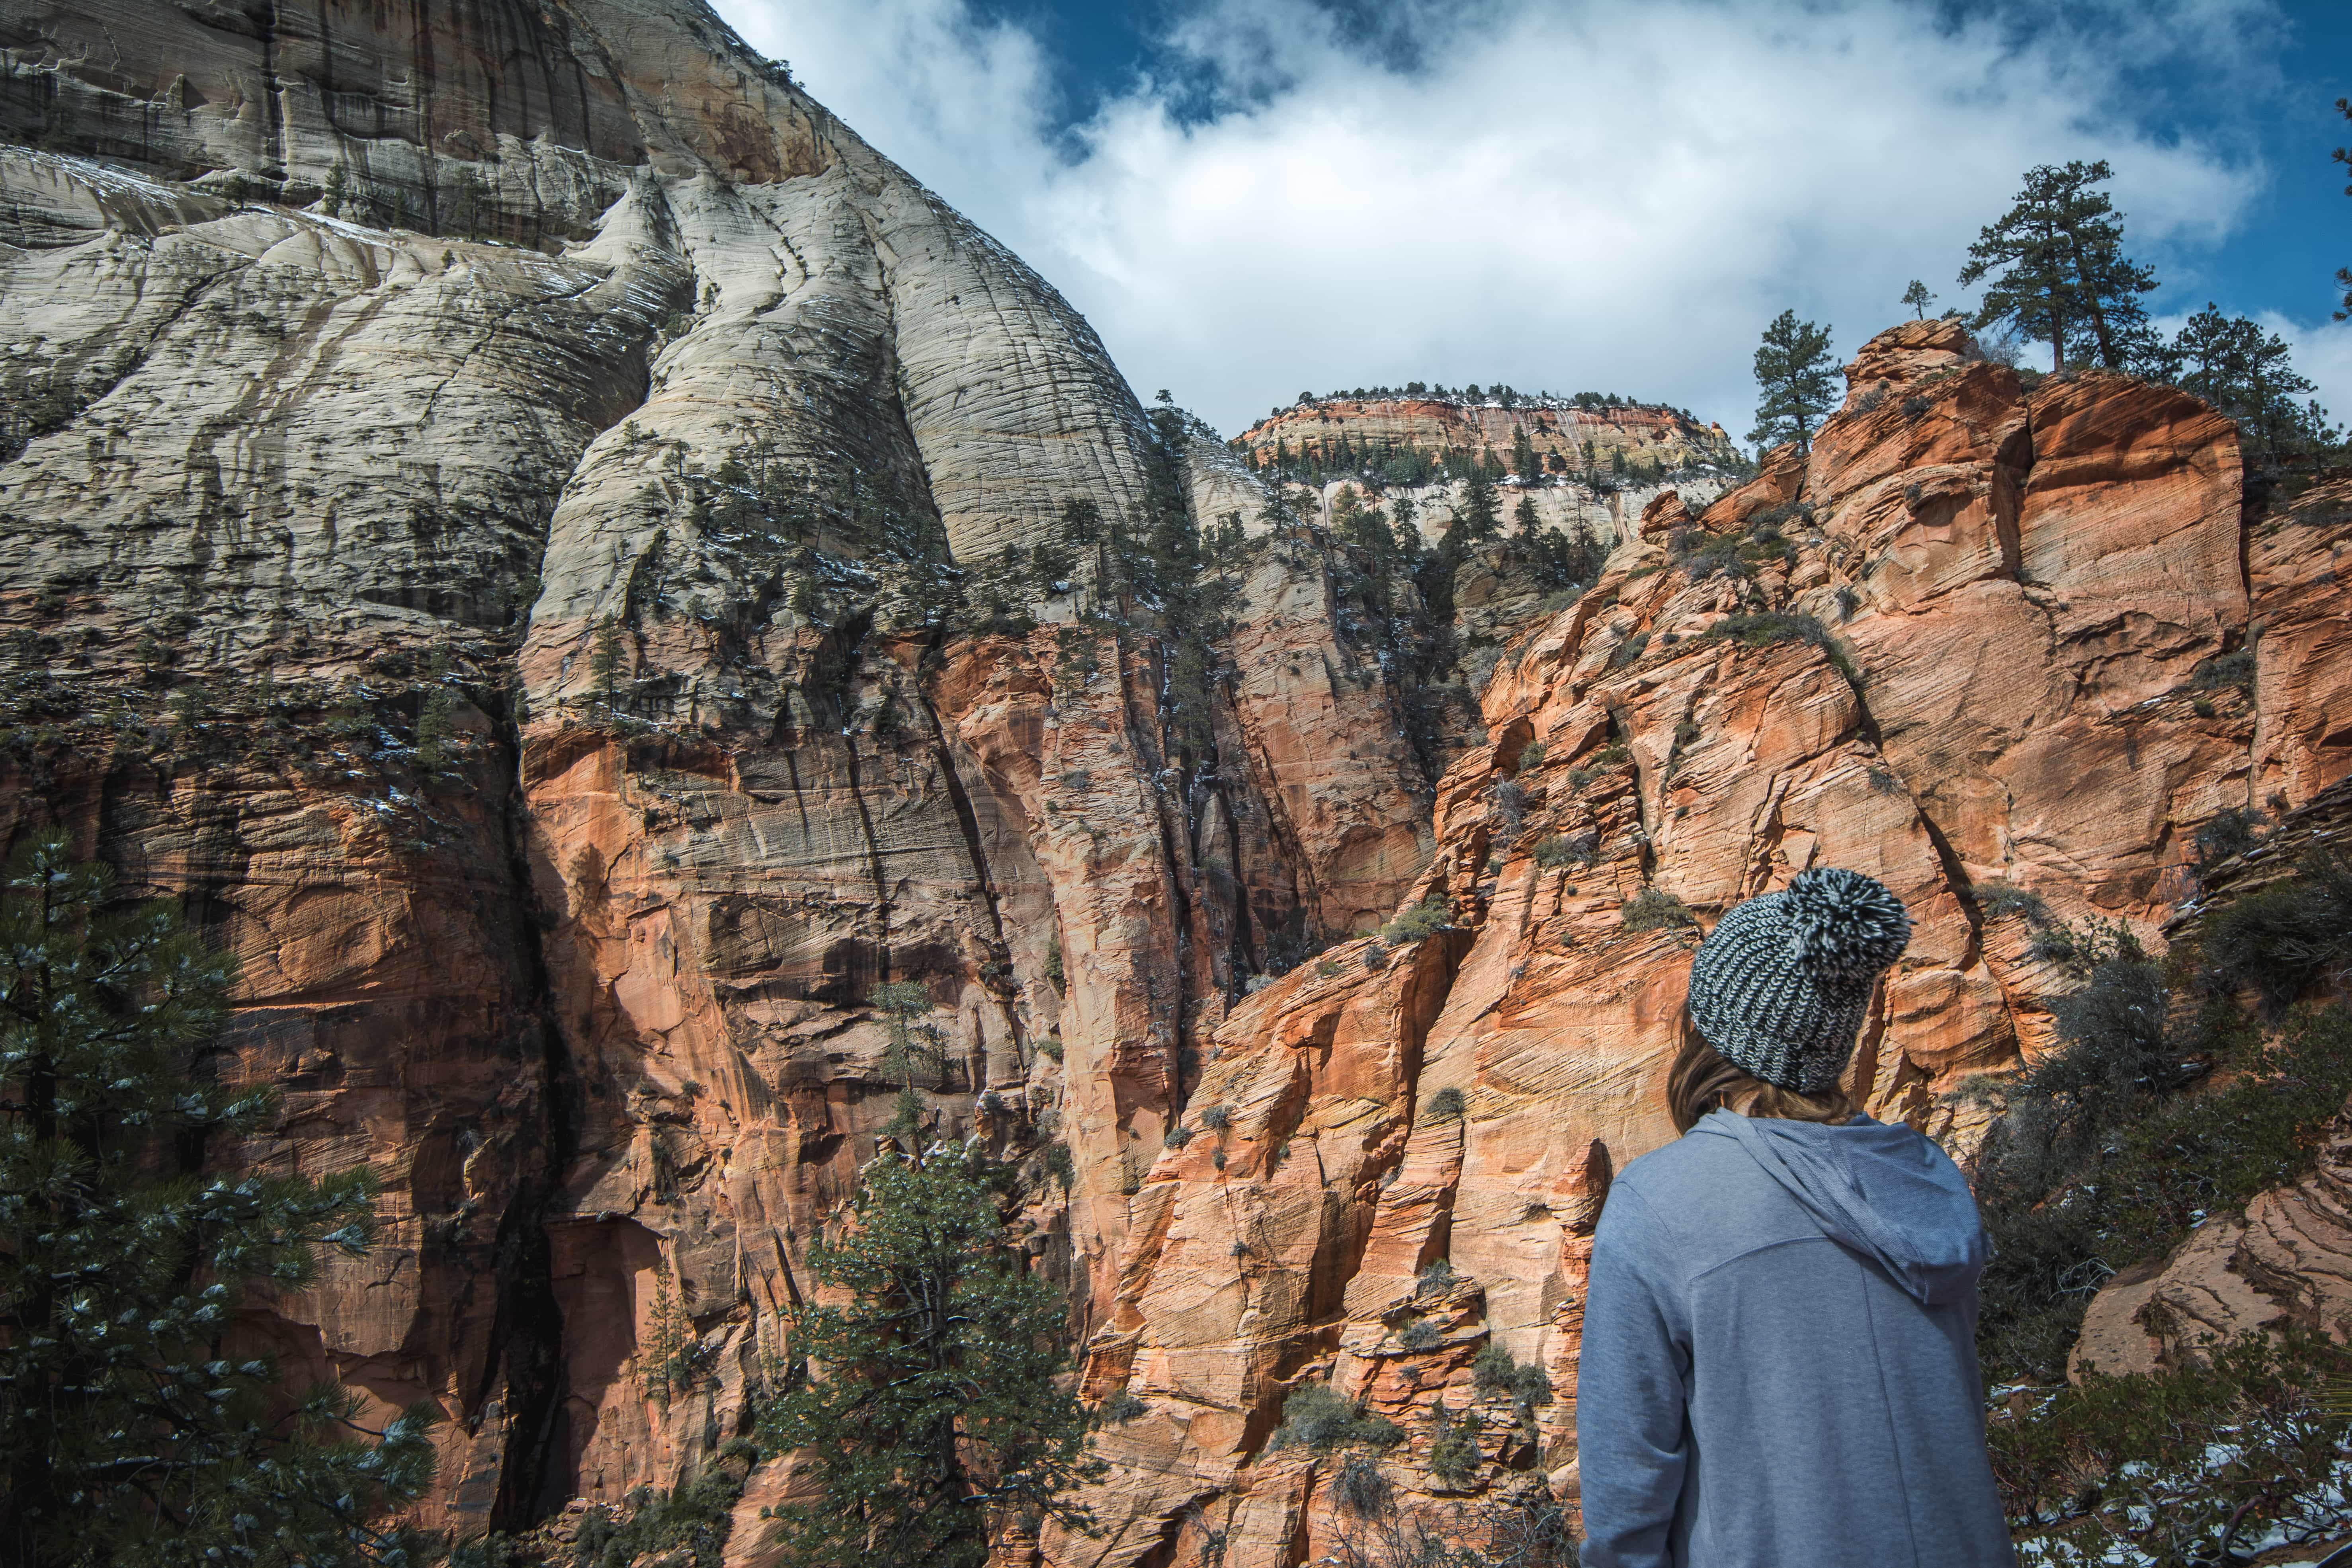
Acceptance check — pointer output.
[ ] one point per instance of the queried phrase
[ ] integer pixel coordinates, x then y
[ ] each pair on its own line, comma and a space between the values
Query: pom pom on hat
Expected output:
1780, 987
1843, 924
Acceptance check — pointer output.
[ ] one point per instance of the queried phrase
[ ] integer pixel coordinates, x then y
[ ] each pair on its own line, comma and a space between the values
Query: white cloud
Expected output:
1567, 194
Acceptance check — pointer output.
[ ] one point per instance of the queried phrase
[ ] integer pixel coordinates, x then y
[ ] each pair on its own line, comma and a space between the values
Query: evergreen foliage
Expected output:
930, 1410
133, 1428
2105, 1156
1655, 909
2242, 370
2059, 273
1481, 514
1793, 373
1917, 297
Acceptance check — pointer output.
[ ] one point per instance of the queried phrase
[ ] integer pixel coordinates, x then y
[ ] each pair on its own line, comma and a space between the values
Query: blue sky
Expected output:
1250, 198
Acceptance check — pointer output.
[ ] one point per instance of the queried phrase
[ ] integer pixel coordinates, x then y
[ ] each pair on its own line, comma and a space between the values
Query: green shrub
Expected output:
1494, 1367
1703, 555
1447, 1105
2114, 1060
1531, 755
1453, 1452
1558, 850
1217, 1118
1121, 1407
2283, 940
1421, 1334
2149, 1182
1629, 650
1316, 1416
1177, 1136
1999, 900
1655, 909
1531, 1386
1426, 919
2191, 1466
1769, 626
1361, 1489
694, 1520
1436, 1279
2232, 832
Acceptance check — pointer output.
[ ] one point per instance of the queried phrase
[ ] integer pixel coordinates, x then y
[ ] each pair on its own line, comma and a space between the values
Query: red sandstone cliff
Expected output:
401, 588
1958, 654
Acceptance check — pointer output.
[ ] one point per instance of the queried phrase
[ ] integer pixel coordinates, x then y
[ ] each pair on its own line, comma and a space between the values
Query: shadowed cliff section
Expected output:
497, 510
641, 573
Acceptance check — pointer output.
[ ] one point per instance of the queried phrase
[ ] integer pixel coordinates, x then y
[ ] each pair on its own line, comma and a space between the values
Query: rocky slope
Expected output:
640, 573
1966, 646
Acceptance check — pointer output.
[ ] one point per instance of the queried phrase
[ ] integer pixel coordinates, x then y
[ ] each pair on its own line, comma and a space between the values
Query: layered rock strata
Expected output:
1585, 437
565, 622
1975, 640
639, 574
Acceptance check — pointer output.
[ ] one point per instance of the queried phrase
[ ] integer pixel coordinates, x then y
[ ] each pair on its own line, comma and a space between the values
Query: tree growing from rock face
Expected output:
2059, 272
1918, 299
132, 1427
1481, 515
1794, 374
929, 1409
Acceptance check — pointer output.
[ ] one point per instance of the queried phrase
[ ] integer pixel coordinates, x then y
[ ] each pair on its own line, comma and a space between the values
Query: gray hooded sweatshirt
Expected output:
1780, 1364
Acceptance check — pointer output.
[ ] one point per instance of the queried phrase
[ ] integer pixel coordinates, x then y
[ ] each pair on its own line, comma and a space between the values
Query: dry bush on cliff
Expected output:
1655, 909
1317, 1416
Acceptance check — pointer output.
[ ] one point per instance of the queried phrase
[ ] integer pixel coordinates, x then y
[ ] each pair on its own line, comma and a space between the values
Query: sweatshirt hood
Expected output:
1877, 1187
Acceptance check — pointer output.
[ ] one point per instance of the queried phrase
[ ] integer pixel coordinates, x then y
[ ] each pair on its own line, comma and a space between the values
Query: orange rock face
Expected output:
566, 785
1957, 647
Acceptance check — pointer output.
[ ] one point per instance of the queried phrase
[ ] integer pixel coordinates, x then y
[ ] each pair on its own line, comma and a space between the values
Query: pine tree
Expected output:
1481, 516
132, 1426
1793, 371
1918, 299
2059, 270
1523, 456
1523, 514
936, 1412
605, 661
2233, 365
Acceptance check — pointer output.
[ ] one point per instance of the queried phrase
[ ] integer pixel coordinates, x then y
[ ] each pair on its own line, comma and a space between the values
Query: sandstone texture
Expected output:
639, 574
1642, 432
1958, 645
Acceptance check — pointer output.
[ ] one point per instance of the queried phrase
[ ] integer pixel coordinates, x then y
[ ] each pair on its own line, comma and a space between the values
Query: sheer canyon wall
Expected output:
577, 570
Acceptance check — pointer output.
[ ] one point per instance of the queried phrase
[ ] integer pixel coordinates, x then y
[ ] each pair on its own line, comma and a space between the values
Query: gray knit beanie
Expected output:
1781, 985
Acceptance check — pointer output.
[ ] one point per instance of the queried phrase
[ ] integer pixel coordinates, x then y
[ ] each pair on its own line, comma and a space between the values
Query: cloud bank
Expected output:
1547, 193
